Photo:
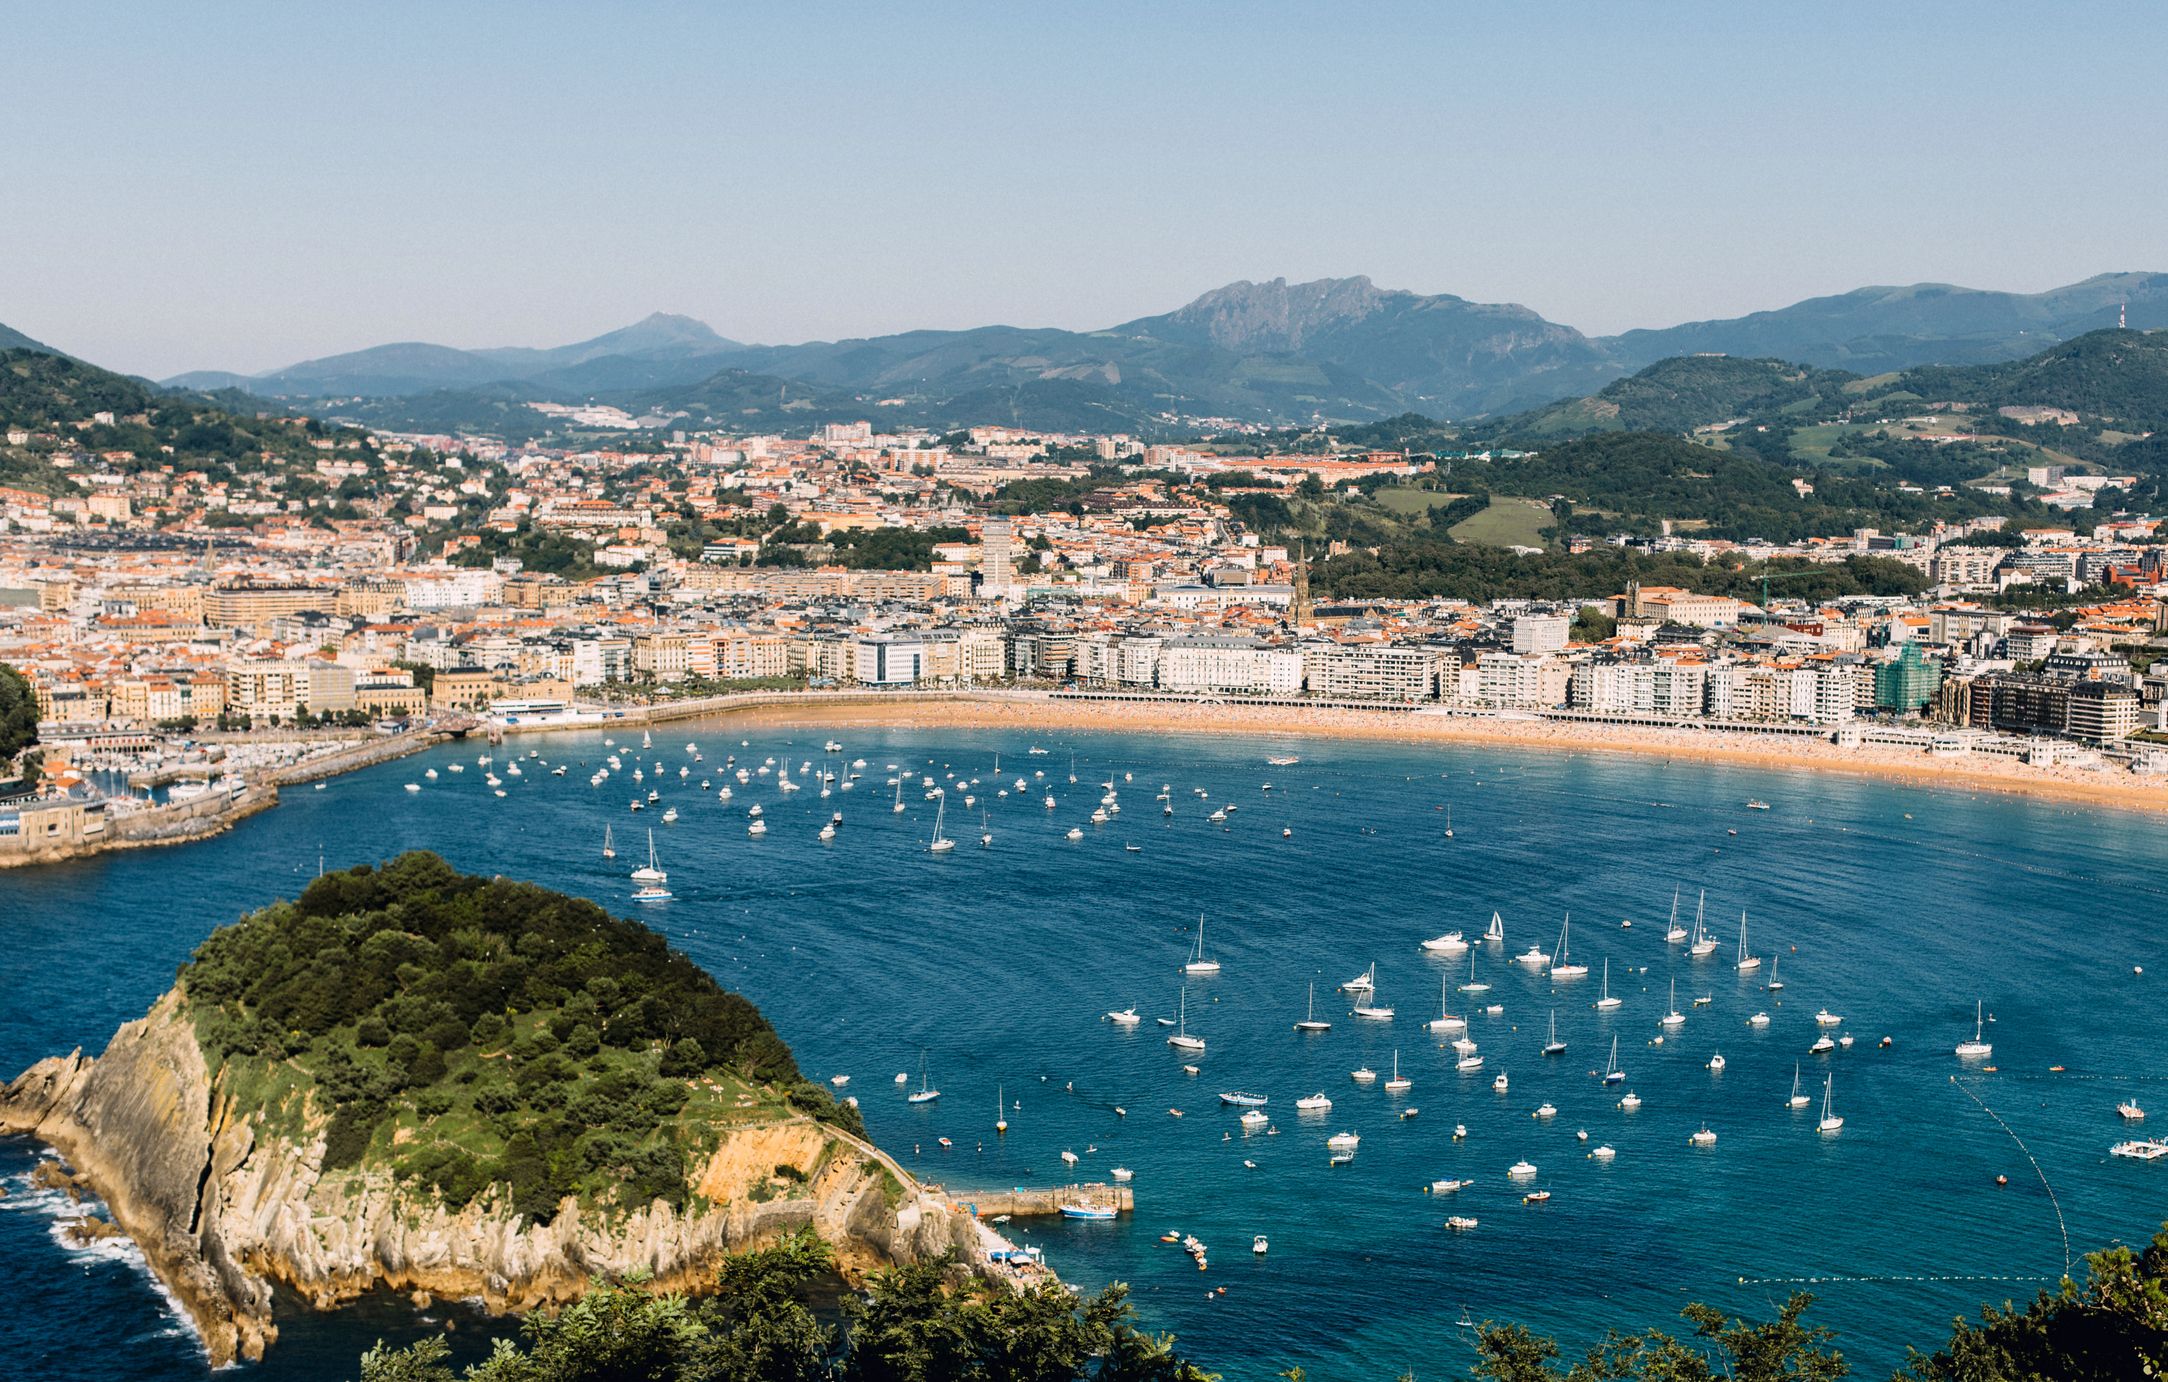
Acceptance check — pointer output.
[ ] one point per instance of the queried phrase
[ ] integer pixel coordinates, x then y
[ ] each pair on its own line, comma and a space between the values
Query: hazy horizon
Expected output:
264, 186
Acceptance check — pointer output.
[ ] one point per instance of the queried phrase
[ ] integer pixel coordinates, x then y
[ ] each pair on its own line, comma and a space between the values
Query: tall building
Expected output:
997, 559
1299, 612
1908, 682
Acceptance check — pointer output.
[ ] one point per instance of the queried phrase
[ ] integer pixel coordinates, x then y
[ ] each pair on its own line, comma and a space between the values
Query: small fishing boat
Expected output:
1460, 1223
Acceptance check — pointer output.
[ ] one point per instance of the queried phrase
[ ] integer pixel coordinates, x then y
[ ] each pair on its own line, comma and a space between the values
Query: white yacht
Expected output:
1124, 1017
1369, 1009
653, 872
1445, 1021
1673, 932
1398, 1083
1822, 1046
1311, 1022
925, 1093
1315, 1103
1451, 943
1363, 982
1608, 1001
1631, 1102
1522, 1170
1826, 1018
1746, 962
1182, 1040
1565, 968
1830, 1122
1197, 963
1703, 944
1473, 985
1364, 1076
1977, 1049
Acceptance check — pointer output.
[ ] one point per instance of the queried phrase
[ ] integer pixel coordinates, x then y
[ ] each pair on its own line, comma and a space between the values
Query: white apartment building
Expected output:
1235, 665
1540, 633
1373, 671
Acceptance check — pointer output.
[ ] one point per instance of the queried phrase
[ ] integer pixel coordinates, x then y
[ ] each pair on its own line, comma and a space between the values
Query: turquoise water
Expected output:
1894, 907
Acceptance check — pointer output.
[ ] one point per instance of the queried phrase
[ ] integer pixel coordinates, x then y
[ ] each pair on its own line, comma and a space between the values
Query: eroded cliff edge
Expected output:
221, 1209
468, 1086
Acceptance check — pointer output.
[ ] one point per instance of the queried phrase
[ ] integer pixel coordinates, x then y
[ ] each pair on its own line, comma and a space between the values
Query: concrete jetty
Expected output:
1020, 1202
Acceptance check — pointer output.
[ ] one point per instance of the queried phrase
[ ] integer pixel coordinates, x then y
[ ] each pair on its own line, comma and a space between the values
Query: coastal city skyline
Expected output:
1149, 694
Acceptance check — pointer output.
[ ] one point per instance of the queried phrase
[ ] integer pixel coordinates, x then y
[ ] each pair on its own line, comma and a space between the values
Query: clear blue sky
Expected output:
239, 186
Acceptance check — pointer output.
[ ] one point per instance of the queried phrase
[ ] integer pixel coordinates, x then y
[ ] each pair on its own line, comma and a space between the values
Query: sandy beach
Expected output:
2112, 787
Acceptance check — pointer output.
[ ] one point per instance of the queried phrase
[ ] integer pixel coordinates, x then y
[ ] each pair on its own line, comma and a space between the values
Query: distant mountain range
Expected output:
1330, 350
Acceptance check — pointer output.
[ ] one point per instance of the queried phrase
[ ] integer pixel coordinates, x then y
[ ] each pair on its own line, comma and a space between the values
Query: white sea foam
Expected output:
63, 1212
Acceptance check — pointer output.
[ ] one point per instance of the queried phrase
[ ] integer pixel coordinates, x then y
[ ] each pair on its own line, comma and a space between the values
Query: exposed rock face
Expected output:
221, 1212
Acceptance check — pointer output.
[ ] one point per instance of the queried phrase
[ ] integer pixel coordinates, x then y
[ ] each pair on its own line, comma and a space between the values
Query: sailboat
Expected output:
1674, 933
986, 831
1673, 1018
609, 847
1198, 964
1445, 1021
652, 873
1369, 1008
1611, 1073
1798, 1099
1001, 1116
1830, 1122
1554, 1047
940, 844
1397, 1084
1976, 1047
926, 1093
1775, 984
1703, 944
1472, 986
1607, 1002
1497, 930
1746, 962
1449, 822
899, 795
1182, 1040
1310, 1022
1566, 968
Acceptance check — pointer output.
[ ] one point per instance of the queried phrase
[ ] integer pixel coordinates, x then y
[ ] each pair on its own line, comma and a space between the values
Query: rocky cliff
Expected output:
222, 1206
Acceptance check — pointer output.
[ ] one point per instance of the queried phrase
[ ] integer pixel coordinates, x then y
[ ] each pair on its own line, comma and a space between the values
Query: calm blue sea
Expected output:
1896, 908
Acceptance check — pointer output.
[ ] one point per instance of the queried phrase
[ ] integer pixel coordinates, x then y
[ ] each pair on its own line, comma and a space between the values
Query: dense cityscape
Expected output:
1136, 693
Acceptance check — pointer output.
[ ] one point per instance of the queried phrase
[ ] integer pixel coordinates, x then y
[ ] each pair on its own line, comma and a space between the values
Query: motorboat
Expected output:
1822, 1046
1631, 1102
1545, 1111
1450, 1187
1702, 1138
1361, 983
1501, 1084
1716, 1063
1124, 1017
1239, 1099
1364, 1076
1521, 1170
1460, 1223
1451, 943
1315, 1103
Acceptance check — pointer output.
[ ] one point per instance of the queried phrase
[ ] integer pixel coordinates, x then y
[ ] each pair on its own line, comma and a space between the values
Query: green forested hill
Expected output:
1680, 394
51, 394
2116, 377
467, 1031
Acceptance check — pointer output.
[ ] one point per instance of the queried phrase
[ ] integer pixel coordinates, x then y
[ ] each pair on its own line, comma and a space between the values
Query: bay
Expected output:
1896, 907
